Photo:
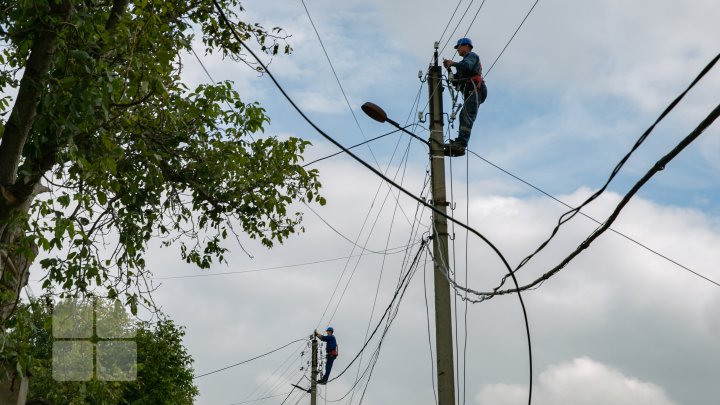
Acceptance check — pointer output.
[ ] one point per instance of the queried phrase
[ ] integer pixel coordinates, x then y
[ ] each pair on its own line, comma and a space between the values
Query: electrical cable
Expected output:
332, 296
337, 79
287, 364
391, 313
356, 145
457, 25
405, 280
340, 234
513, 37
474, 18
391, 182
391, 251
248, 360
377, 218
658, 166
355, 157
571, 214
448, 26
367, 373
382, 269
367, 217
635, 241
292, 390
259, 399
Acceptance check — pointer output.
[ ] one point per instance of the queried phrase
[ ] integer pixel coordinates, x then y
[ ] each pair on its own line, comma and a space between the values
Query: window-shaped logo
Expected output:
93, 339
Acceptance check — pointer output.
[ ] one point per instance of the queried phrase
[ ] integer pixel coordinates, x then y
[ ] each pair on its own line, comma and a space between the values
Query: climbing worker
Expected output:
331, 350
469, 82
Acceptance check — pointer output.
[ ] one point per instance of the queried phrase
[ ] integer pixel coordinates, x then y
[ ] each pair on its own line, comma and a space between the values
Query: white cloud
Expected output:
579, 83
607, 305
580, 382
569, 97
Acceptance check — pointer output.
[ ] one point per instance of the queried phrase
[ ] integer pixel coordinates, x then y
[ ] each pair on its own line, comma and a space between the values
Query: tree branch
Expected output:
23, 113
116, 13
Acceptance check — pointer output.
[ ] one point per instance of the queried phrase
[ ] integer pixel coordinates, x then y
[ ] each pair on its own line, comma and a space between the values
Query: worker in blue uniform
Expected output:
470, 83
331, 350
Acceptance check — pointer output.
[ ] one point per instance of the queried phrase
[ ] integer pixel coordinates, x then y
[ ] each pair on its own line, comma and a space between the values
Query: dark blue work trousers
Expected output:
328, 366
469, 111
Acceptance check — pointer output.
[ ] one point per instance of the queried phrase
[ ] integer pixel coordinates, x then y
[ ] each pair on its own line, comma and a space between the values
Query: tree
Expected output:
164, 368
104, 147
165, 375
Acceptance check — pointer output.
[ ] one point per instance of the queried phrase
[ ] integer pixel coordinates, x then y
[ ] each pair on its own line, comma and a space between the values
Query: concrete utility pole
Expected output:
443, 313
314, 371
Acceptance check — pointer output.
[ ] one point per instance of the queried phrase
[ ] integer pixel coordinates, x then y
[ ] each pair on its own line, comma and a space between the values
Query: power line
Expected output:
337, 79
391, 251
635, 241
404, 282
390, 312
397, 205
351, 154
367, 240
343, 236
512, 37
294, 385
260, 399
377, 218
448, 26
280, 375
249, 360
658, 166
457, 25
391, 182
474, 17
571, 214
377, 288
356, 145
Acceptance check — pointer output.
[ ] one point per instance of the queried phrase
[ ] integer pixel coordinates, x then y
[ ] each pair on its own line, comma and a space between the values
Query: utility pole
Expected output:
443, 313
314, 371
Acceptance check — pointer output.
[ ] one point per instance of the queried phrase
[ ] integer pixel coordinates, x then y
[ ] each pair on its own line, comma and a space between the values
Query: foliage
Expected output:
165, 375
164, 368
128, 151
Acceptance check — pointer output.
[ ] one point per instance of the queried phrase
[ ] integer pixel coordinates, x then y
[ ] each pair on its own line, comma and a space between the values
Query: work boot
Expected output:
454, 148
322, 381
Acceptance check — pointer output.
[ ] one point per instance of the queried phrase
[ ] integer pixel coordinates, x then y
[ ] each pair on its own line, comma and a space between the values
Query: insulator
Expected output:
437, 45
420, 74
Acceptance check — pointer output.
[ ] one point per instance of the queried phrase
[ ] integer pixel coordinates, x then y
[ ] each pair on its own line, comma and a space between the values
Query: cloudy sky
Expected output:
568, 98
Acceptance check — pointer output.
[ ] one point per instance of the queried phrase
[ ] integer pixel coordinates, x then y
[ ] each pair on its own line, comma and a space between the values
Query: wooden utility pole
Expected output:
443, 313
314, 371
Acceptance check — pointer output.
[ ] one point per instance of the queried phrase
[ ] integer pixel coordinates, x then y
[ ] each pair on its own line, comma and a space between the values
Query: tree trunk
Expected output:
17, 194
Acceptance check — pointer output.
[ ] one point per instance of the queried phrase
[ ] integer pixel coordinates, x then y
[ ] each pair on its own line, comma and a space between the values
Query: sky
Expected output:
626, 322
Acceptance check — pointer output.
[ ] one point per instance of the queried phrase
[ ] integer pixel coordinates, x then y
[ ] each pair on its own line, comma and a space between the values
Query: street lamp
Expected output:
375, 112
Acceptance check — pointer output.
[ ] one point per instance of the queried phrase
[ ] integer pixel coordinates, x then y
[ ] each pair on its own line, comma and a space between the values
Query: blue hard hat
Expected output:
330, 329
463, 41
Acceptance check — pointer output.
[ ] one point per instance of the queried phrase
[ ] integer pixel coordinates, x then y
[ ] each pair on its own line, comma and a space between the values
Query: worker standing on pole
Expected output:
331, 350
469, 82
